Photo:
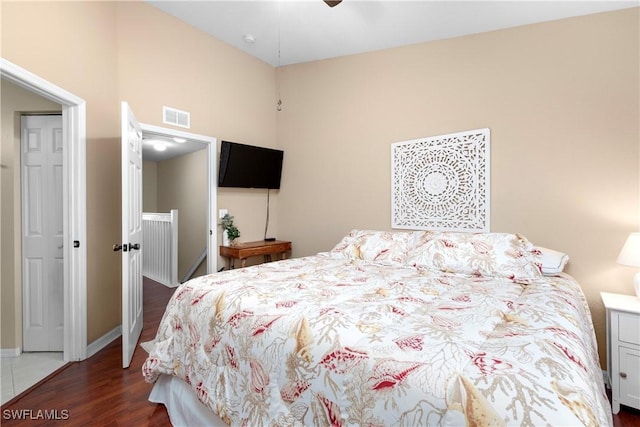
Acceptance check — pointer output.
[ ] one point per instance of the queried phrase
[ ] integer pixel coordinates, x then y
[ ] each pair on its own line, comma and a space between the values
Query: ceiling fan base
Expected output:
331, 3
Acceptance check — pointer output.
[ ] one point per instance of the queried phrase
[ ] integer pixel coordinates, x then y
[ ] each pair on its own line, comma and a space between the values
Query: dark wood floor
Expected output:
98, 392
627, 417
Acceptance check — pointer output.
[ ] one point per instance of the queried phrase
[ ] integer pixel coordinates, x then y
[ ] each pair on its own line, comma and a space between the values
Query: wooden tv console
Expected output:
244, 250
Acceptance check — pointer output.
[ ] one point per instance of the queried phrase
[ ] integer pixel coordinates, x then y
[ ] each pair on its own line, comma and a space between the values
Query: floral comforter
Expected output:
339, 339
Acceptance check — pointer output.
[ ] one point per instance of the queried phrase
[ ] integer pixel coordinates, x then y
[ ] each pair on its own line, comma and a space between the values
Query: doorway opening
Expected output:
73, 205
189, 143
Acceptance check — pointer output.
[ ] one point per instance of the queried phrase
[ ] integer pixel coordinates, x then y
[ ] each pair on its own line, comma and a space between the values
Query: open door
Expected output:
131, 234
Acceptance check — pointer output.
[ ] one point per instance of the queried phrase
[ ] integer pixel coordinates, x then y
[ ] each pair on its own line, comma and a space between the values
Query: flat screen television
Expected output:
248, 166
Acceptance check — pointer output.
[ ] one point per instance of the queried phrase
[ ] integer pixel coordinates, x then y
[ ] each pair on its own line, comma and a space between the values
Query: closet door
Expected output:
42, 233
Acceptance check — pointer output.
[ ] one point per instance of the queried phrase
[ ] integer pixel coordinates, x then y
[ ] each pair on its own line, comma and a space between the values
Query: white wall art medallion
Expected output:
441, 182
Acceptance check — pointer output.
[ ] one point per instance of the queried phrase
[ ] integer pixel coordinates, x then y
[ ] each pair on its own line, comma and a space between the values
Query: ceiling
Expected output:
288, 32
172, 148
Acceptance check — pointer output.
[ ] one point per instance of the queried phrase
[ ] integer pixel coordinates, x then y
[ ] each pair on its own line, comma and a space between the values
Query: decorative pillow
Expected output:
480, 254
376, 246
553, 262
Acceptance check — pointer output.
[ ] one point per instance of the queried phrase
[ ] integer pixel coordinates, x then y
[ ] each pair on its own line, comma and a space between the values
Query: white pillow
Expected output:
553, 262
385, 247
479, 254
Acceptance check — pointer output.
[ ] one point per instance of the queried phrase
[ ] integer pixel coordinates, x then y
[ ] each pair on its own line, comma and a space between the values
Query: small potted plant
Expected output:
231, 232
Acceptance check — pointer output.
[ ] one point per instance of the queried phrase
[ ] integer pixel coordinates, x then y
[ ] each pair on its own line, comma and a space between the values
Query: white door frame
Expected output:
212, 177
73, 201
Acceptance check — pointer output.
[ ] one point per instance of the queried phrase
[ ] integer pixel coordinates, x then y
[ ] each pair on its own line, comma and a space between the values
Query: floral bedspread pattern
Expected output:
337, 339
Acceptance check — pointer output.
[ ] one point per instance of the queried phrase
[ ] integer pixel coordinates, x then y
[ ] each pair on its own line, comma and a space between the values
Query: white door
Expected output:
42, 233
131, 234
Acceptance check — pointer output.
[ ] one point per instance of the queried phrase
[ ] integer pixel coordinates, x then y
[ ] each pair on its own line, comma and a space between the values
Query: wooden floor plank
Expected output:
98, 392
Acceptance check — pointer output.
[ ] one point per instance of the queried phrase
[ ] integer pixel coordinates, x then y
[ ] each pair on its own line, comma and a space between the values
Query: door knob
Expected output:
126, 247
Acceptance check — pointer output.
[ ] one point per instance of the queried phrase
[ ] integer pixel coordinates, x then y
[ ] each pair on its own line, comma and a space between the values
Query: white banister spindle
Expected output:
160, 247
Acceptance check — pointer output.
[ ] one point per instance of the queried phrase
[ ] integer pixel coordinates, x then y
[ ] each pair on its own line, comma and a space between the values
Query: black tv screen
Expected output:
248, 166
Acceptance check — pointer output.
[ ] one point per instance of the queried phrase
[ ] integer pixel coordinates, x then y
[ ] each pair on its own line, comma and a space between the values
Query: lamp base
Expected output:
636, 284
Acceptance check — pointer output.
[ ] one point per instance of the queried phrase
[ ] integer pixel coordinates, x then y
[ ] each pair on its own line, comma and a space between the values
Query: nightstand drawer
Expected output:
629, 328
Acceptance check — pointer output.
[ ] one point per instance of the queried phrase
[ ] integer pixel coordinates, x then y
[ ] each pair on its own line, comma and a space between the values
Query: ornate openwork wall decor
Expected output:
441, 182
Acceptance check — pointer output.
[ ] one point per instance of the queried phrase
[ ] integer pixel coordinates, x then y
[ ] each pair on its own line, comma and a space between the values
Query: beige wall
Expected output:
107, 52
182, 185
15, 101
149, 186
73, 45
561, 100
231, 96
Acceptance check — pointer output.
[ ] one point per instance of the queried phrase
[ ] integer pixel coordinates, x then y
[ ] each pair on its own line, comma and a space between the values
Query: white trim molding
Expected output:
103, 341
10, 352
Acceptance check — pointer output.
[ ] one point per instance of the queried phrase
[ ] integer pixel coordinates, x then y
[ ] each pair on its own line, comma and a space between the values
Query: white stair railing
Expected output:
160, 247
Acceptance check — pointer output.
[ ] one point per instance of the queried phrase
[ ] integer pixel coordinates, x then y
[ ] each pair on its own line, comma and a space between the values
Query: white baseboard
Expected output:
10, 352
92, 348
103, 341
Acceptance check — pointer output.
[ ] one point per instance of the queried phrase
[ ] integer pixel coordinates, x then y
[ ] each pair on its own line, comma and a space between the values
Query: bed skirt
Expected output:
182, 405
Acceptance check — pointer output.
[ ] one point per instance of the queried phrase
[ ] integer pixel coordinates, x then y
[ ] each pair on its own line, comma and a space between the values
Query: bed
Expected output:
387, 328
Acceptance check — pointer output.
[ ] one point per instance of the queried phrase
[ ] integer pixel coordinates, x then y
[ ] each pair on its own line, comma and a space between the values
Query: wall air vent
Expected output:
172, 116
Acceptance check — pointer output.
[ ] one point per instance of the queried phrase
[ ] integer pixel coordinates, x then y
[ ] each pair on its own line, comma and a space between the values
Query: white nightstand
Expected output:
623, 349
